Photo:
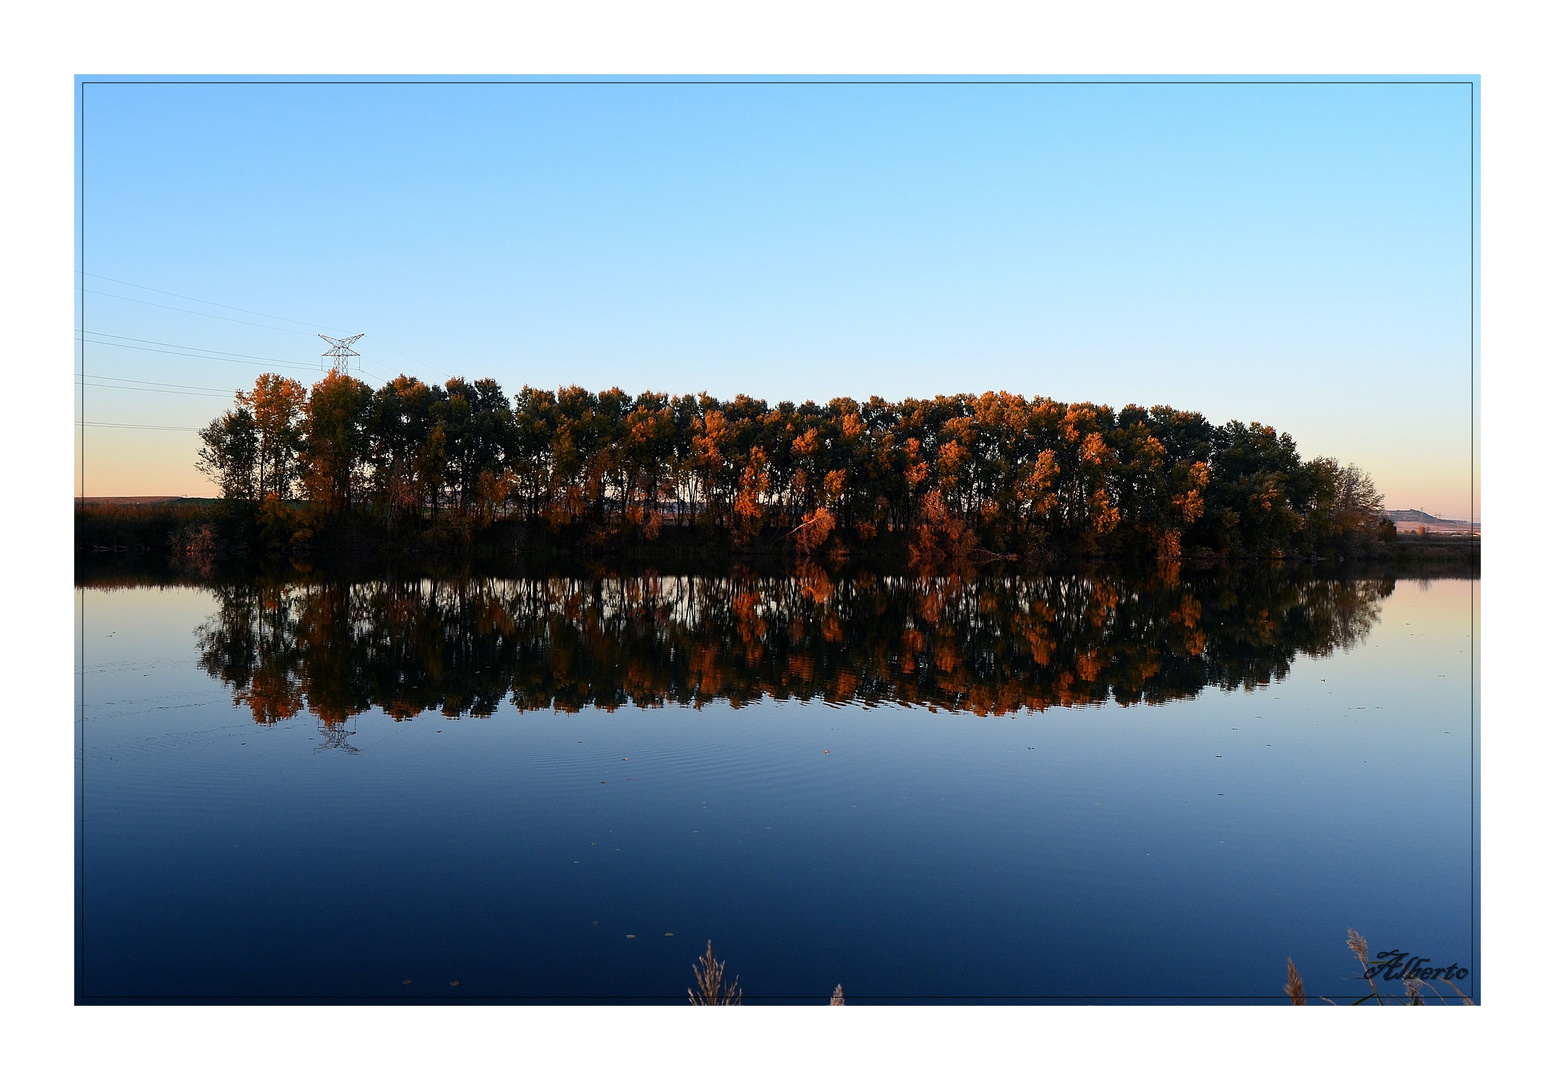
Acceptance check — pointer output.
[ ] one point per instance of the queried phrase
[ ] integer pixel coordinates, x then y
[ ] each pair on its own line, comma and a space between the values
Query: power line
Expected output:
197, 300
145, 382
187, 311
206, 354
153, 390
135, 427
248, 311
407, 356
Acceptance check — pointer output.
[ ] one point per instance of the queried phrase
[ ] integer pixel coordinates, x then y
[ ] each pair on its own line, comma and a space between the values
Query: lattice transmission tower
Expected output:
341, 352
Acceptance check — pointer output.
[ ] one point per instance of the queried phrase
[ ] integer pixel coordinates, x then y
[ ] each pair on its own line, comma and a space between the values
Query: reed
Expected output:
1414, 988
707, 987
1293, 986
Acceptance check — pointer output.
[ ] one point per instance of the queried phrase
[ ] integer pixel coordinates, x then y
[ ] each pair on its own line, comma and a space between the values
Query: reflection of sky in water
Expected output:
1176, 850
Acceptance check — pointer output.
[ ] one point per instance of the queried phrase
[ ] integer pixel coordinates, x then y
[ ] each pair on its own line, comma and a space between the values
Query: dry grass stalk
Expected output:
1293, 987
1359, 947
1466, 999
708, 982
836, 996
1414, 987
1363, 953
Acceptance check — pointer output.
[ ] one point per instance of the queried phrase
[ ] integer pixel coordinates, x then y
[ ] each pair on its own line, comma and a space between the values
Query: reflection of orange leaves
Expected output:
272, 696
706, 669
403, 709
651, 640
492, 617
847, 684
333, 713
815, 585
1104, 600
1088, 666
1189, 612
801, 667
929, 606
1041, 647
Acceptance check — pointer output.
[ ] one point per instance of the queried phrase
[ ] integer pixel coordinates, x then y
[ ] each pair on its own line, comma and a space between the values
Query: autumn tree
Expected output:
277, 405
334, 441
984, 475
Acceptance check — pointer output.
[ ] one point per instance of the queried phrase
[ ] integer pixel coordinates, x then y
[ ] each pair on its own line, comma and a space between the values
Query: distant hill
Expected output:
1431, 523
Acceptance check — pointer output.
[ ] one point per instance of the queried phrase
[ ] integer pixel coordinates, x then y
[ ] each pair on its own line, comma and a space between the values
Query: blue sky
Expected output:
1293, 254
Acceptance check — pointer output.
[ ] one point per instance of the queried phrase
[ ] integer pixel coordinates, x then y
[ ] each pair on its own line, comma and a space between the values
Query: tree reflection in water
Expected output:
995, 644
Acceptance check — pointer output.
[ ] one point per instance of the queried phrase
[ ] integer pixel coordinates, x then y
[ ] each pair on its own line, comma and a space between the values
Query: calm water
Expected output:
1016, 789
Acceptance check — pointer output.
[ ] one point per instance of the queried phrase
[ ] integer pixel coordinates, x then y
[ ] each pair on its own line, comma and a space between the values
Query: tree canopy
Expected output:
993, 473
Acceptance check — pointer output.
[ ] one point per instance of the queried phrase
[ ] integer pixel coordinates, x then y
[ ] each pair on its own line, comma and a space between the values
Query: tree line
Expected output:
959, 475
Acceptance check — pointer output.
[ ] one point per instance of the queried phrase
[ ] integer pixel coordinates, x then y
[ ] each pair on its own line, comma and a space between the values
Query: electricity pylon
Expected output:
341, 351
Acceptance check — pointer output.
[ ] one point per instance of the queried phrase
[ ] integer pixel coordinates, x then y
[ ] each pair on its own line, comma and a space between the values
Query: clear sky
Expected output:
1297, 255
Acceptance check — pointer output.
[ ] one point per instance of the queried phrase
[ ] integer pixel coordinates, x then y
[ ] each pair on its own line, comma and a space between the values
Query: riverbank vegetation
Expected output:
951, 478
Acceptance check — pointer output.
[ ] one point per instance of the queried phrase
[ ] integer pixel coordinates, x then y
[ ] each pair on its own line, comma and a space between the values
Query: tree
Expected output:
276, 403
230, 453
1346, 509
335, 441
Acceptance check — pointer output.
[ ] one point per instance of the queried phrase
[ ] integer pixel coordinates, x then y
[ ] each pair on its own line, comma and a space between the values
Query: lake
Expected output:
1081, 787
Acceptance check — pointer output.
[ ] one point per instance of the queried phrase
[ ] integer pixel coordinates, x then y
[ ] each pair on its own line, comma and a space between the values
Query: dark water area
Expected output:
1072, 787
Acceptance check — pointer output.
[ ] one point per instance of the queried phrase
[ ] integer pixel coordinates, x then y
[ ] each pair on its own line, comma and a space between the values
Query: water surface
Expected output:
1074, 787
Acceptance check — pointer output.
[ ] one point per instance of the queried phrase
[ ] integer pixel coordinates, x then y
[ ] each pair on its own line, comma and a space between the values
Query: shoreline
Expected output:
183, 540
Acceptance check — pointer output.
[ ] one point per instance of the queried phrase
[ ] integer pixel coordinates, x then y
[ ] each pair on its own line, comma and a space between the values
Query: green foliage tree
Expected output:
229, 455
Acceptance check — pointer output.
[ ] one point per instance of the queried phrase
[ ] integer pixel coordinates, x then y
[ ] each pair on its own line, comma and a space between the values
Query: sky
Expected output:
1296, 255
